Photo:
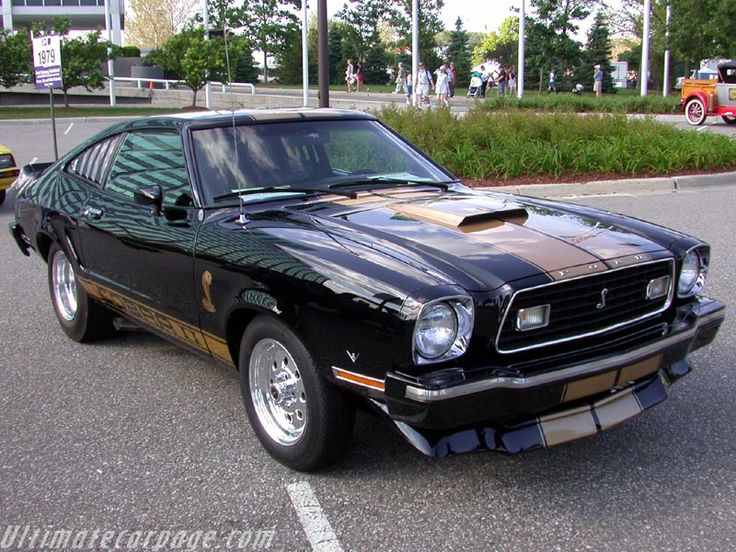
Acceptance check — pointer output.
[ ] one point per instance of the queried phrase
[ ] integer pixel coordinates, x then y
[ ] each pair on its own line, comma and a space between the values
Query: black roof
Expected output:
727, 65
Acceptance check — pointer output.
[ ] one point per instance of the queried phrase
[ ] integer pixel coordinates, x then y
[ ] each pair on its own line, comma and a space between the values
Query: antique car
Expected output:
336, 266
714, 97
8, 171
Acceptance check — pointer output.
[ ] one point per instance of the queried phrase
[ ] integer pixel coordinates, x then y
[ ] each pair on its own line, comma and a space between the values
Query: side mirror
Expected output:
150, 195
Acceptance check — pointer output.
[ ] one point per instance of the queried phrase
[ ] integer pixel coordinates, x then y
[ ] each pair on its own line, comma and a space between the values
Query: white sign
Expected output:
47, 61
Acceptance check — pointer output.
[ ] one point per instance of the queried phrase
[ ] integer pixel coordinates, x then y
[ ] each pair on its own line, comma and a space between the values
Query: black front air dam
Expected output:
503, 400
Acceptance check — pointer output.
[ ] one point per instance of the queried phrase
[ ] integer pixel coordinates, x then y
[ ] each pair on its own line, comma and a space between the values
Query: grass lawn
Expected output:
42, 112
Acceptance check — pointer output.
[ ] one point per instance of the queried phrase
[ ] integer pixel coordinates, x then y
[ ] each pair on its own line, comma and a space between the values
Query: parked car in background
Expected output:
8, 171
335, 265
711, 97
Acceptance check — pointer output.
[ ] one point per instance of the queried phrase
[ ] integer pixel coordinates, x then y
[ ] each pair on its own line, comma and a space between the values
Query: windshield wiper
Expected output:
383, 182
279, 190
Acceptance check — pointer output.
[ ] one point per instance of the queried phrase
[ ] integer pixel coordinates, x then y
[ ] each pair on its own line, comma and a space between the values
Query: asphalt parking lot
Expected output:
133, 434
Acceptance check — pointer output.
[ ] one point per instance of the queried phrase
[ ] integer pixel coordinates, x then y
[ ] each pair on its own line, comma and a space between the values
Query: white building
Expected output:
85, 15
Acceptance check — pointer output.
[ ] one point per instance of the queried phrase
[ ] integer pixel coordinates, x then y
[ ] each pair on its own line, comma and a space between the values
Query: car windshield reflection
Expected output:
282, 159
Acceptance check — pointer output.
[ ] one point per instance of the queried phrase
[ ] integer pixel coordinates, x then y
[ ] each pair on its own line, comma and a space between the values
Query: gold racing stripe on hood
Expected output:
604, 244
556, 257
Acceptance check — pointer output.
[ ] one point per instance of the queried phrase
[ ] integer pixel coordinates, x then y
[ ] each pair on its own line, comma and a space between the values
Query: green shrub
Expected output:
567, 102
486, 144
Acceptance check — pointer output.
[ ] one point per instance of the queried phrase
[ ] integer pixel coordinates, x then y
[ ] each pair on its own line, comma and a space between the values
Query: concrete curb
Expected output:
620, 187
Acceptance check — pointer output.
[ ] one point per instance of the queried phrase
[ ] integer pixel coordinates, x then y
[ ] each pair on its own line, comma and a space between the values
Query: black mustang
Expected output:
335, 265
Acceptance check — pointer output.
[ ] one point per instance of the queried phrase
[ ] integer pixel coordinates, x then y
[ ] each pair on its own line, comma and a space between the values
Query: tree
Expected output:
15, 58
364, 16
703, 29
245, 68
597, 52
550, 32
270, 24
430, 24
192, 59
501, 45
375, 65
458, 52
153, 22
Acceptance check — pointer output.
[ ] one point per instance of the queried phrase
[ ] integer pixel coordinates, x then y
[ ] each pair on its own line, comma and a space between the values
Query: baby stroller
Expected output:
476, 85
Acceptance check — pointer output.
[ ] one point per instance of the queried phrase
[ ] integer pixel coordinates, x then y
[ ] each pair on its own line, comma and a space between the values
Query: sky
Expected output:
481, 16
477, 15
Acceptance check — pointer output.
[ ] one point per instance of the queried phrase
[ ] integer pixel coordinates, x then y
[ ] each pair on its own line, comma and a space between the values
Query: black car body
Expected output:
331, 262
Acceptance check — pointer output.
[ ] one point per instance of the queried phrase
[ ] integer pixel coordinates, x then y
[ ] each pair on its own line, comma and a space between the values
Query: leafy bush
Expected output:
489, 145
567, 102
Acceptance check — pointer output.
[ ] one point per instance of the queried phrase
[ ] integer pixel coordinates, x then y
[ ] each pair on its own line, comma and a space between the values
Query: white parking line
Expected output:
68, 129
316, 526
33, 160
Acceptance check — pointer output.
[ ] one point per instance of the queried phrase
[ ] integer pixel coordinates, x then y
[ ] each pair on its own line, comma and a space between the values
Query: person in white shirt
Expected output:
422, 84
443, 86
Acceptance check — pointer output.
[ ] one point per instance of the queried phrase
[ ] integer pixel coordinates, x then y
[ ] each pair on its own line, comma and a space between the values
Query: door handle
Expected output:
92, 213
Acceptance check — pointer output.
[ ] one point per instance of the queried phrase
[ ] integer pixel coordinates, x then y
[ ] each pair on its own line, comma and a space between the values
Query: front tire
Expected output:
300, 418
695, 112
728, 119
2, 197
81, 318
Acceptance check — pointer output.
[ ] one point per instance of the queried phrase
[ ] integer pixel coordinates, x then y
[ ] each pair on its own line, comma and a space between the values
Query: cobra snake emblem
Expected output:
207, 299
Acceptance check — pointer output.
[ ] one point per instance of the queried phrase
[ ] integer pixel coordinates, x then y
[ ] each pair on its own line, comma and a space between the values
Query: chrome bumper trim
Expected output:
432, 395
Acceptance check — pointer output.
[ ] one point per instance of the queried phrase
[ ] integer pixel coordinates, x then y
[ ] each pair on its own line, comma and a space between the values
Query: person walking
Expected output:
452, 78
598, 81
350, 75
552, 87
512, 80
443, 86
502, 80
422, 85
359, 76
484, 76
400, 79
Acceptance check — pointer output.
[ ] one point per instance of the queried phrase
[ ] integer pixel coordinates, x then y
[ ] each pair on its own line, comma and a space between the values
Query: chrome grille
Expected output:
574, 306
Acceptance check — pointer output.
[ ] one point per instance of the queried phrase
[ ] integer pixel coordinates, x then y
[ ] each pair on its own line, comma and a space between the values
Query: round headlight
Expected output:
435, 331
689, 273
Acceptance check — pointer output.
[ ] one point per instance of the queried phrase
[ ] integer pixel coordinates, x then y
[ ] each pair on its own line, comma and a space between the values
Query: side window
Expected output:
147, 158
92, 163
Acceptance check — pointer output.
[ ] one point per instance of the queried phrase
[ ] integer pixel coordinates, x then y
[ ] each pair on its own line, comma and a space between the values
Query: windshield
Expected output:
303, 156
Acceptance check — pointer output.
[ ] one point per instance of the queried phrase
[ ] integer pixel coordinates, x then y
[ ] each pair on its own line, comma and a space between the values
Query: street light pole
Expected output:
414, 45
520, 60
666, 84
206, 23
110, 63
323, 59
644, 75
305, 54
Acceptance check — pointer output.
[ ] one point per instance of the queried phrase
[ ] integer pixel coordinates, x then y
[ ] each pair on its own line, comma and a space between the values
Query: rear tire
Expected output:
695, 112
300, 418
81, 317
728, 119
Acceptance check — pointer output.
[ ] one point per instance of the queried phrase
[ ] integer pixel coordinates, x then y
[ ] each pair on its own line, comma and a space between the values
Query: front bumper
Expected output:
553, 406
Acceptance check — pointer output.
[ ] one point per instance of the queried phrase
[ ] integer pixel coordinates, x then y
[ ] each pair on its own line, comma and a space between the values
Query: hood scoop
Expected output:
464, 217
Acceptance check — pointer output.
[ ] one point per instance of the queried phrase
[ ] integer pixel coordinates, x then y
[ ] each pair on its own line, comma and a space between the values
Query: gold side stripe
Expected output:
358, 379
187, 333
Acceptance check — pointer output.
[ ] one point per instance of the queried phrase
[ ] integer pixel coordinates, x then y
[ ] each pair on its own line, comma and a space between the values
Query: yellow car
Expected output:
8, 171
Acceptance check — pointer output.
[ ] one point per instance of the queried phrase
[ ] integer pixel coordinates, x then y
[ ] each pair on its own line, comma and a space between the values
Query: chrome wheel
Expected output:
695, 112
64, 286
277, 391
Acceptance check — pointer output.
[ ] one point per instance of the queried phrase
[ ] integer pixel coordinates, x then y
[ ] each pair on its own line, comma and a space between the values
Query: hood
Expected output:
480, 241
